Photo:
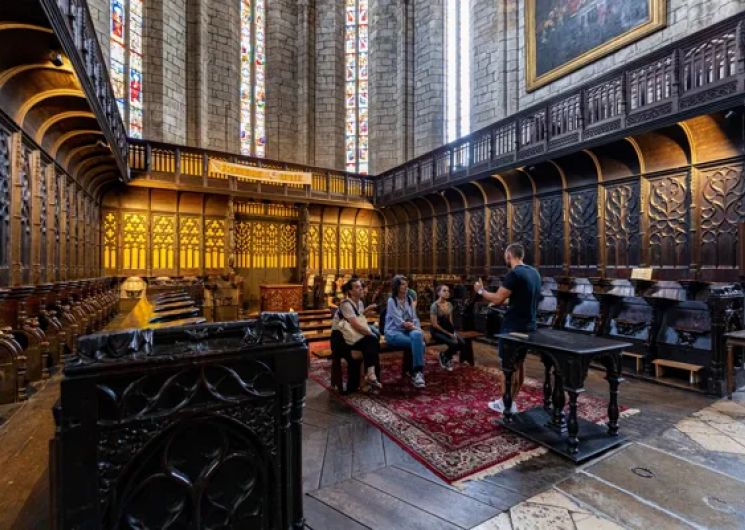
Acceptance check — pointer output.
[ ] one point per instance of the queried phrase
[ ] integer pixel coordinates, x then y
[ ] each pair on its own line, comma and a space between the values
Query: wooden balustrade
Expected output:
151, 161
699, 74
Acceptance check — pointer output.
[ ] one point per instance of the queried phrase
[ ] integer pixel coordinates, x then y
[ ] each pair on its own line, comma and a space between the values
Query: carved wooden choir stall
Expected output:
192, 426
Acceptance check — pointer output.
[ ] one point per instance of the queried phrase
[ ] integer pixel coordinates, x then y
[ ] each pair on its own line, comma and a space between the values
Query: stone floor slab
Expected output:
693, 492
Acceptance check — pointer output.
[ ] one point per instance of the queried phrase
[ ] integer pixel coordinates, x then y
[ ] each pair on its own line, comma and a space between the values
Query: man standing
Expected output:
522, 286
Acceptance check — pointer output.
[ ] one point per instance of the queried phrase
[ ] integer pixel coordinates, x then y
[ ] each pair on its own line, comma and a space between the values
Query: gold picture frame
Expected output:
656, 20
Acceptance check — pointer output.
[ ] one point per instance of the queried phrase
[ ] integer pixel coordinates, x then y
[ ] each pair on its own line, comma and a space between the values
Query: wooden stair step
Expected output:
638, 359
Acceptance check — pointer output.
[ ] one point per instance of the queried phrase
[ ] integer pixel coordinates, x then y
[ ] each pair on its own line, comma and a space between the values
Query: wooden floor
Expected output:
353, 475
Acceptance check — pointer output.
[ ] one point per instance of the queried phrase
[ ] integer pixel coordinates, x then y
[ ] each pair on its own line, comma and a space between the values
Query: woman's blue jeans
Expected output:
413, 340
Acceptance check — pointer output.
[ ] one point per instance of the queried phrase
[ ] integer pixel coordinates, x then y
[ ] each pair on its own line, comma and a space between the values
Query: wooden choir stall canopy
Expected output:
286, 297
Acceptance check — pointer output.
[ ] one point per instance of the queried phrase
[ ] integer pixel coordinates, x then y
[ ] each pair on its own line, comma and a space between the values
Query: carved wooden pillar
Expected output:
35, 177
62, 254
5, 206
16, 164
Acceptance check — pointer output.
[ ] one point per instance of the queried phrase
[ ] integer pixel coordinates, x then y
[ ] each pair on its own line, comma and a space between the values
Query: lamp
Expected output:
133, 286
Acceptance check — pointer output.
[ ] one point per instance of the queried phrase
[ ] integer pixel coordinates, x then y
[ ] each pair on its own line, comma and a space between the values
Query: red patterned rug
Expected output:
447, 426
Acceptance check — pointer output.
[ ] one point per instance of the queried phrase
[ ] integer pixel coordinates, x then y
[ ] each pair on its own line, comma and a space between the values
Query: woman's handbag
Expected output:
351, 335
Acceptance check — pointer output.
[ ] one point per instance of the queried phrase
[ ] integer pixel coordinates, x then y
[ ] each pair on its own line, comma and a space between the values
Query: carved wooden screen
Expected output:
43, 213
551, 231
583, 228
243, 239
522, 226
287, 248
375, 243
134, 242
313, 245
4, 207
110, 242
330, 248
190, 244
442, 242
415, 257
621, 218
458, 242
163, 243
362, 249
346, 248
388, 251
497, 234
722, 196
477, 237
427, 247
214, 244
80, 227
668, 207
24, 181
63, 228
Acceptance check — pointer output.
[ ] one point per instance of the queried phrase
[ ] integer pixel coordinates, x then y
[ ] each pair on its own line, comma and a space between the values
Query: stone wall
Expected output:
429, 86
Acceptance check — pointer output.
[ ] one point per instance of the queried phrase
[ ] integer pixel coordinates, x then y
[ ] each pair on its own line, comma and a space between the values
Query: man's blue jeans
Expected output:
413, 340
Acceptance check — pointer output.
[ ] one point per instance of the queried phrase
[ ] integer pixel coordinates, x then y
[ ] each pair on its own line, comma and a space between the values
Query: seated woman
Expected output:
443, 330
402, 327
350, 308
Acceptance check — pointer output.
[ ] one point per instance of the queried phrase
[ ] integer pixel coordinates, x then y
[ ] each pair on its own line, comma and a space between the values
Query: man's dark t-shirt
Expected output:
525, 284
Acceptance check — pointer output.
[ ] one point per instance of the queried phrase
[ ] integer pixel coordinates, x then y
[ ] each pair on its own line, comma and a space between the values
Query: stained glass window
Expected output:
457, 69
253, 72
125, 40
356, 86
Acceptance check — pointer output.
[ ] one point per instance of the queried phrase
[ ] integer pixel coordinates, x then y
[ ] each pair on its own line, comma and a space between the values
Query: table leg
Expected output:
559, 401
613, 375
508, 367
572, 425
547, 389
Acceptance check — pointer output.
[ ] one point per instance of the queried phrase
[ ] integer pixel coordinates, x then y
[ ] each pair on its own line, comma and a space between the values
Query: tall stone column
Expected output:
306, 81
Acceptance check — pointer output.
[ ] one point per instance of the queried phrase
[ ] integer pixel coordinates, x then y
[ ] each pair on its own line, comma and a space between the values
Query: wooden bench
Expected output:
693, 369
638, 360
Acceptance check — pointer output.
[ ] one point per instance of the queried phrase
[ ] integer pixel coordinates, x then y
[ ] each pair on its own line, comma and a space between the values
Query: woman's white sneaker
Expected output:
498, 406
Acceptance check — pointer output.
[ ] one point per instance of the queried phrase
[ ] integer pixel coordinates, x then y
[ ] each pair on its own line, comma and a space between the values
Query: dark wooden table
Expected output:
568, 355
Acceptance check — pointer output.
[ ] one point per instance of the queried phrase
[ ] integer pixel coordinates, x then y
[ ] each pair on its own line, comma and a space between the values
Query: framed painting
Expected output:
564, 35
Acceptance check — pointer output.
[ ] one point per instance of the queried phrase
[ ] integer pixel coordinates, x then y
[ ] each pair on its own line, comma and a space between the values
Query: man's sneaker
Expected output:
418, 380
446, 363
498, 406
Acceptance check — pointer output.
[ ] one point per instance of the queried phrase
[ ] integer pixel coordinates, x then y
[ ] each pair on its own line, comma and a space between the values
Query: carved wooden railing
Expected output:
702, 73
74, 28
189, 167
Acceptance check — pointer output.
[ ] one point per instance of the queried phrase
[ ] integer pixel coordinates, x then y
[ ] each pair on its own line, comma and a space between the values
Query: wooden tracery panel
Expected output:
441, 238
551, 231
134, 241
522, 226
346, 248
110, 242
498, 238
722, 196
413, 246
583, 228
214, 244
477, 237
668, 207
330, 248
313, 244
43, 203
458, 244
621, 220
163, 243
362, 249
427, 246
375, 242
190, 243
